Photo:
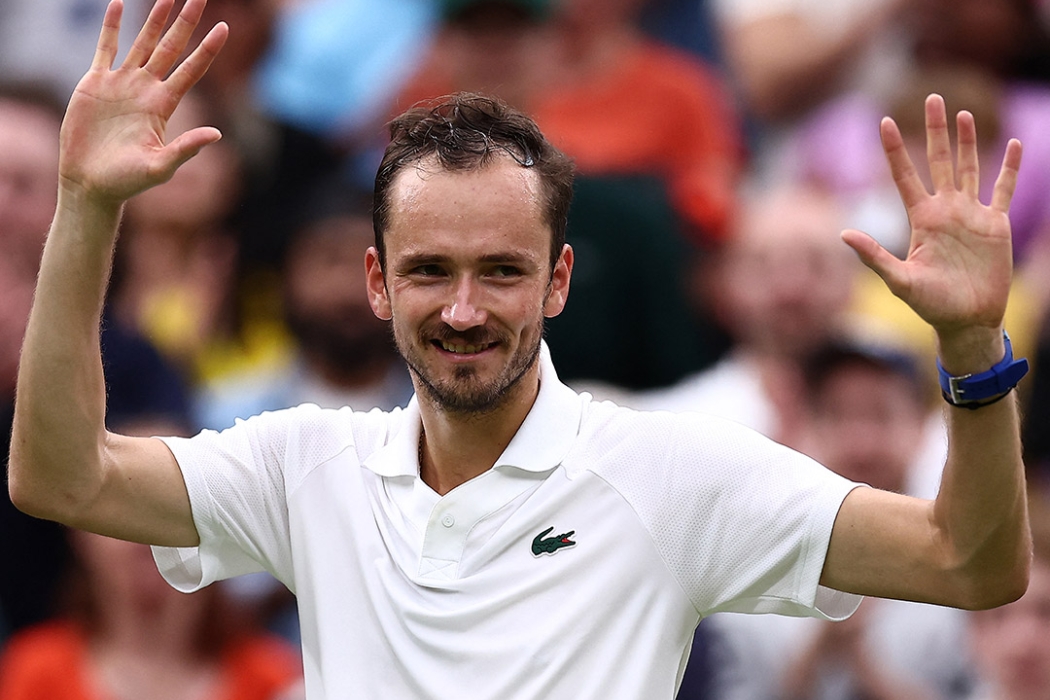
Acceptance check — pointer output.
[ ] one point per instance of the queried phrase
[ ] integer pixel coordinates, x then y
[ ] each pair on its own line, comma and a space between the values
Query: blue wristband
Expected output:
976, 390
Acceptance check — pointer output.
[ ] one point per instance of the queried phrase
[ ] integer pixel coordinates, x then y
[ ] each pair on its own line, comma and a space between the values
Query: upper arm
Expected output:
887, 545
142, 496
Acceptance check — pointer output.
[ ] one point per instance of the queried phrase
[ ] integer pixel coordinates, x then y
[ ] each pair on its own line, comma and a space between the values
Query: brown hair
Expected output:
465, 131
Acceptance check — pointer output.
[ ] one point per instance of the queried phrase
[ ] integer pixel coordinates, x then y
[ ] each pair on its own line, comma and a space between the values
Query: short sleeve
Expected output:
742, 522
239, 481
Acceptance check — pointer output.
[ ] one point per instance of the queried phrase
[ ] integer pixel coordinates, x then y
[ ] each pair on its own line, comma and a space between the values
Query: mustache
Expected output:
442, 332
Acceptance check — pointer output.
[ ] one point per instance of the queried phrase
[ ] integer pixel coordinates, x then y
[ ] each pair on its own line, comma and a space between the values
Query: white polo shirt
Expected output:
576, 568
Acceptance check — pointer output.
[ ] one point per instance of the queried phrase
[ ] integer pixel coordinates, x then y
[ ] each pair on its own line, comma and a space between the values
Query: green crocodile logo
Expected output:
550, 545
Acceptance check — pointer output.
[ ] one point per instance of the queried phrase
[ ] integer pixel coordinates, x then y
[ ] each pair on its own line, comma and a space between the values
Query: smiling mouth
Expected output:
463, 348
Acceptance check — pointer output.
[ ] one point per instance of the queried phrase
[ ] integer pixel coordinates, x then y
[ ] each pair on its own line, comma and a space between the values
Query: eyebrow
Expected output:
415, 259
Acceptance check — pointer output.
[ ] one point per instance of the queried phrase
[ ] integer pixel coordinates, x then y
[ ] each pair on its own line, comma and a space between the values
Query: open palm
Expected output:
113, 135
958, 270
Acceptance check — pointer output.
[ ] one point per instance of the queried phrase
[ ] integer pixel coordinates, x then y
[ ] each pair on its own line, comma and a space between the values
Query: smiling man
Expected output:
470, 258
503, 536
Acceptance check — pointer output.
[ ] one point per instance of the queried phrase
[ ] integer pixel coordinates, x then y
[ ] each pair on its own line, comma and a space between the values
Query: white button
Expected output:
448, 520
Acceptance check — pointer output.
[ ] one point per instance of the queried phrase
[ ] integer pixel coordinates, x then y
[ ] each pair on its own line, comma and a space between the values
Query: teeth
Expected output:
462, 349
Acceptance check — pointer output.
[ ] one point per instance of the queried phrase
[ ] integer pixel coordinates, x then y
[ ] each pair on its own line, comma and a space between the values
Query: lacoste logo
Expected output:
550, 545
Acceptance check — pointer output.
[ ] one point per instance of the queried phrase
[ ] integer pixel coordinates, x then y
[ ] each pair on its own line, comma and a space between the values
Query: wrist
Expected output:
90, 210
977, 389
971, 350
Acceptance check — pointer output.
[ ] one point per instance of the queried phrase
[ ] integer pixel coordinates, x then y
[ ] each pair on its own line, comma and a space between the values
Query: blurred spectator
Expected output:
300, 89
176, 276
335, 65
326, 80
51, 42
788, 57
1010, 643
1006, 37
854, 168
781, 287
127, 634
623, 103
502, 48
33, 550
866, 409
618, 102
141, 387
686, 24
344, 355
30, 119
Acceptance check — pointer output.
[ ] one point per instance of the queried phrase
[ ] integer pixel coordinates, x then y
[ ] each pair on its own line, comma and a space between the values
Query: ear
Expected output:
375, 282
559, 286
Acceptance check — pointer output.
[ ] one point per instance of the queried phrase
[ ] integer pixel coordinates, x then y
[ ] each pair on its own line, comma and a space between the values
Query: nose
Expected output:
463, 310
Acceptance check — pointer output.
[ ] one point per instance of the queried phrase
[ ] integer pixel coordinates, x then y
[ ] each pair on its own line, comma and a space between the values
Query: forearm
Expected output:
981, 506
58, 438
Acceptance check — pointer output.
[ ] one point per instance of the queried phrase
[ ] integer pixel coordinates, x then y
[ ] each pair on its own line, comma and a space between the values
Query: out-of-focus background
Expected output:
722, 145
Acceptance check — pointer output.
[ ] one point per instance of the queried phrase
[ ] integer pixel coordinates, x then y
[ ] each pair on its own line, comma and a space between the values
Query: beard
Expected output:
345, 342
464, 392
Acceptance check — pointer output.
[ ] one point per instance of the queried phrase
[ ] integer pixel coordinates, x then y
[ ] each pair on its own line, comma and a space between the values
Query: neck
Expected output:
456, 447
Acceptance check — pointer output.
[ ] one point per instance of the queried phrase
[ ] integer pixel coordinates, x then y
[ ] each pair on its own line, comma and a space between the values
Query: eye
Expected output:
506, 271
428, 270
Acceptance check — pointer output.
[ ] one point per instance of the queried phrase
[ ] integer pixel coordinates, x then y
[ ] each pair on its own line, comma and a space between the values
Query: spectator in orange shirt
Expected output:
615, 100
127, 634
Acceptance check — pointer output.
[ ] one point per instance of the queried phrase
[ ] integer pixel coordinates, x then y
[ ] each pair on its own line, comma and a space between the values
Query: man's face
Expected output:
467, 281
323, 296
28, 181
1011, 642
867, 424
786, 278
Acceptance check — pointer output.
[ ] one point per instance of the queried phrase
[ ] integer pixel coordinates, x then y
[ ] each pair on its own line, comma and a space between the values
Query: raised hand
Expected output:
959, 266
113, 135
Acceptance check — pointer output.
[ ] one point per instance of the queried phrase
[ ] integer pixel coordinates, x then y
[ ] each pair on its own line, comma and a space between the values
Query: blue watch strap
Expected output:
970, 390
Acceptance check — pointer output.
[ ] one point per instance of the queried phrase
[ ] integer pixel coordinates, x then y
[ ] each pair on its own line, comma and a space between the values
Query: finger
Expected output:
938, 144
909, 185
149, 35
106, 51
1006, 183
969, 171
197, 63
884, 263
175, 39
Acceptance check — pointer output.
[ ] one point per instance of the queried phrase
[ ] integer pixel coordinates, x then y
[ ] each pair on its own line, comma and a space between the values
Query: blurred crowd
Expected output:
721, 147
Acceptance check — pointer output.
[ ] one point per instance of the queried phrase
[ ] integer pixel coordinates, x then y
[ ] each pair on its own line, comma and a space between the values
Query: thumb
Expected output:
884, 263
186, 146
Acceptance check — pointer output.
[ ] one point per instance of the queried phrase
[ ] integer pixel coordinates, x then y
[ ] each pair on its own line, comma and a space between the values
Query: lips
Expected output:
464, 348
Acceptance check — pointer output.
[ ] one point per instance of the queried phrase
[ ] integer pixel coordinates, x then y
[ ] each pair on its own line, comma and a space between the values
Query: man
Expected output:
1010, 644
785, 237
29, 126
342, 354
502, 536
140, 385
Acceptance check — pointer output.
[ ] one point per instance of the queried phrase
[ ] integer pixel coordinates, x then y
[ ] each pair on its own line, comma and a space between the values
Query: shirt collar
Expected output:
540, 444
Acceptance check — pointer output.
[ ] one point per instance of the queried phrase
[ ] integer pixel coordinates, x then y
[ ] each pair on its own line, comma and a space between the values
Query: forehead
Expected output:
791, 219
500, 203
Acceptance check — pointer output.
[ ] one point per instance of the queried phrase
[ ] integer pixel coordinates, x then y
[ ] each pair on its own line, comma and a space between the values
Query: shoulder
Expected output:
290, 440
660, 434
